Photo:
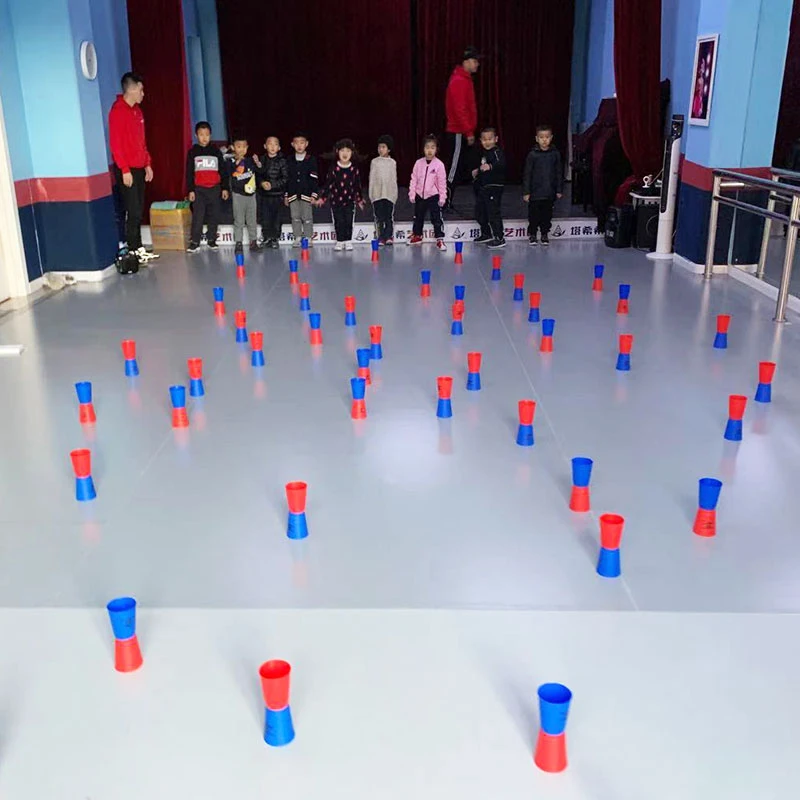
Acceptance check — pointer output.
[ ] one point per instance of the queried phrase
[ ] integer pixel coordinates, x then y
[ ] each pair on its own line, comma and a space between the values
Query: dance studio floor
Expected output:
444, 577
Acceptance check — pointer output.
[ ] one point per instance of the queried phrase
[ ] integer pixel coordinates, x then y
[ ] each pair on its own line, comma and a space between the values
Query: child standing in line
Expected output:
301, 190
343, 190
383, 190
542, 184
243, 189
274, 177
205, 170
427, 190
489, 181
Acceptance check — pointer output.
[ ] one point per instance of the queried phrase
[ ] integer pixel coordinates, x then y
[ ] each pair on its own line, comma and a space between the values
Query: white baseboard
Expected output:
36, 285
574, 229
87, 276
748, 279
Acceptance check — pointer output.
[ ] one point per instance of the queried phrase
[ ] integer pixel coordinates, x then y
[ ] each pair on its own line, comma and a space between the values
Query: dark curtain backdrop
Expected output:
158, 55
383, 66
789, 111
637, 74
524, 78
333, 70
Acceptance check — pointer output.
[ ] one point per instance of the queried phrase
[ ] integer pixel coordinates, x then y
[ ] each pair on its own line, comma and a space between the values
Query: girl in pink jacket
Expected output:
428, 192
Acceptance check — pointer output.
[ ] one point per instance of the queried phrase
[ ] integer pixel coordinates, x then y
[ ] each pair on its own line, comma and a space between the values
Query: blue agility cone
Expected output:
444, 408
315, 332
546, 343
551, 745
86, 415
608, 562
358, 409
278, 727
129, 354
375, 347
624, 294
293, 277
257, 346
459, 291
349, 311
473, 372
766, 371
457, 328
736, 406
297, 527
240, 259
519, 284
219, 301
240, 321
597, 283
721, 339
196, 388
459, 259
496, 267
705, 521
305, 295
122, 614
177, 395
527, 408
581, 475
535, 300
425, 283
82, 467
624, 357
362, 359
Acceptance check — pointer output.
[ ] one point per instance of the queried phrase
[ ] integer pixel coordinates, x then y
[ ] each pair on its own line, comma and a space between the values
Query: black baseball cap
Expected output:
472, 52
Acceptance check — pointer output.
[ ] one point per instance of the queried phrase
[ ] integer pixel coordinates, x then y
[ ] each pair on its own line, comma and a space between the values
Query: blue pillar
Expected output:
212, 66
753, 37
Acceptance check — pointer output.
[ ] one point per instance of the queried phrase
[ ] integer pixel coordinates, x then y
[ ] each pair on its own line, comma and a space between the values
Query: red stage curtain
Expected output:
159, 56
524, 78
637, 68
331, 69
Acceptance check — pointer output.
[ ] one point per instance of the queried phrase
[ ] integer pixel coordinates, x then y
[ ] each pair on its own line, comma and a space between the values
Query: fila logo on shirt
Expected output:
205, 162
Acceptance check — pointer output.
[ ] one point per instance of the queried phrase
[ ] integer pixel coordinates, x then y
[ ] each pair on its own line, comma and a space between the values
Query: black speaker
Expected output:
619, 226
646, 227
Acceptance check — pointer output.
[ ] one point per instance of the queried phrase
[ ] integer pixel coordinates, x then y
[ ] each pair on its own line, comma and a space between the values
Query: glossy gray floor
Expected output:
405, 512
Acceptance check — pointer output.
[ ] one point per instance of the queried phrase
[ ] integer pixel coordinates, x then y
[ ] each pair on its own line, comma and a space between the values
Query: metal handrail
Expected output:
774, 186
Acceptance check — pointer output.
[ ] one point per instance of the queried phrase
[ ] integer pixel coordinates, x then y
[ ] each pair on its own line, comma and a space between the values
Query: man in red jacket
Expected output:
462, 115
131, 159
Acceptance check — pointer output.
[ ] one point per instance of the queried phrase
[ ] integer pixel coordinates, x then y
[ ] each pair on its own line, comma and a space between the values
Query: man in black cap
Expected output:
462, 115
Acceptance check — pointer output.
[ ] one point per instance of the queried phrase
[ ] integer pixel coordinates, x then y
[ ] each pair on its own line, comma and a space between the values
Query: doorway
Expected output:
13, 269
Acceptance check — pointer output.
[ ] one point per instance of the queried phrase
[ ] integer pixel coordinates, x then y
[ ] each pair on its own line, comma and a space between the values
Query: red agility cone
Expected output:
127, 655
240, 273
551, 752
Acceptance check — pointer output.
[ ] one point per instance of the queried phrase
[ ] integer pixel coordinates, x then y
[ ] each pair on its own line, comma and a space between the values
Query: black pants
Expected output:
460, 157
540, 215
430, 205
205, 209
489, 211
384, 218
271, 207
132, 205
343, 222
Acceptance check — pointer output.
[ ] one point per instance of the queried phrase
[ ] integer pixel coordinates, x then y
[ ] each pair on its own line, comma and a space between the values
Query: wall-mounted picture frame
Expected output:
705, 66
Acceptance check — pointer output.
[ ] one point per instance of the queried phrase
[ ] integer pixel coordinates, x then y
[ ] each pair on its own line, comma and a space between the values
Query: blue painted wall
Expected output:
580, 47
678, 37
599, 57
110, 28
212, 66
13, 105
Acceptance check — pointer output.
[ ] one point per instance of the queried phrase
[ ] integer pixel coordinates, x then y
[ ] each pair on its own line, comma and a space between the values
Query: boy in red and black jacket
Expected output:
205, 169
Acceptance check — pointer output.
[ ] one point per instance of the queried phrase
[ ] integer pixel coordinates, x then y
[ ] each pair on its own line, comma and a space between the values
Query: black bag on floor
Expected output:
619, 226
127, 263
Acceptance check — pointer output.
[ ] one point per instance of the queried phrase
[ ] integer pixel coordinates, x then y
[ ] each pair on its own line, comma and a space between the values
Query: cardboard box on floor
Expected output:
170, 228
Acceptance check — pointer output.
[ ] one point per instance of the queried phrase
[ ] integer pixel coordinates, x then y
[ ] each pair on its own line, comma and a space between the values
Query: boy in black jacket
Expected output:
274, 177
301, 189
488, 183
205, 170
542, 184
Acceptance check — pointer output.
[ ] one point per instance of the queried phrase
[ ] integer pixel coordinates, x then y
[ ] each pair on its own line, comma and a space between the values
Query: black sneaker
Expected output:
496, 244
213, 245
532, 241
482, 239
192, 248
238, 248
274, 244
254, 247
545, 240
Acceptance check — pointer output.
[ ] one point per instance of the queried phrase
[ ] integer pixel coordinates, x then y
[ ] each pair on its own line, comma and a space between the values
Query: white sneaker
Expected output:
146, 255
348, 245
441, 246
339, 246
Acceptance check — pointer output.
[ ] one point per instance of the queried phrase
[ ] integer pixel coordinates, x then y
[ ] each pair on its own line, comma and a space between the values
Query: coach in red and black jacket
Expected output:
462, 116
131, 159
